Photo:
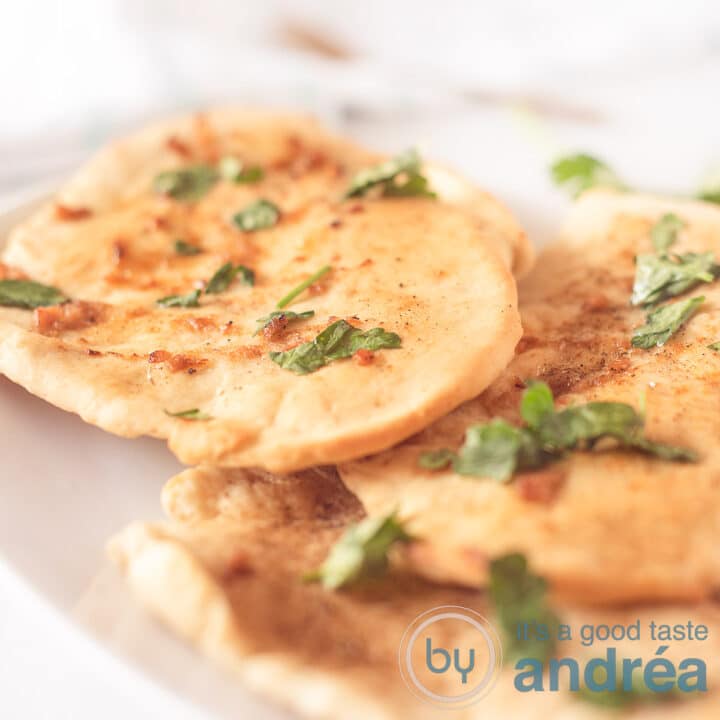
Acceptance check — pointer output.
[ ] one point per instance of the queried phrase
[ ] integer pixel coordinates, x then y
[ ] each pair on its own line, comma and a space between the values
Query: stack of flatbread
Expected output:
303, 321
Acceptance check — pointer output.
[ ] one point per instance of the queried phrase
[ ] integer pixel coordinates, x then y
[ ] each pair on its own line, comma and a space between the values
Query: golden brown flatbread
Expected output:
606, 526
435, 272
225, 575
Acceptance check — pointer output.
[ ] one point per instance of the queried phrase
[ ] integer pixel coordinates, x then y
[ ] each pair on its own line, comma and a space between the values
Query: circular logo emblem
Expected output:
450, 656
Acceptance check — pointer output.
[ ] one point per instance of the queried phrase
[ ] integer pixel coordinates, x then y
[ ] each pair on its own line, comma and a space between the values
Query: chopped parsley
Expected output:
499, 449
578, 173
710, 191
663, 323
361, 553
218, 283
714, 346
259, 215
436, 459
189, 300
337, 341
400, 176
665, 231
659, 277
28, 294
519, 598
409, 185
187, 184
303, 286
289, 315
191, 183
185, 248
233, 169
224, 276
192, 414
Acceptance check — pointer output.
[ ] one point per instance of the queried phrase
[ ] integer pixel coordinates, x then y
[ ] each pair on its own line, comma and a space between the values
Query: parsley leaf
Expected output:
233, 170
710, 190
361, 553
192, 414
578, 173
490, 450
710, 195
520, 597
658, 277
664, 232
337, 341
28, 294
714, 346
384, 174
409, 185
663, 323
436, 459
189, 300
303, 286
186, 184
662, 451
289, 315
225, 274
185, 248
257, 215
498, 449
536, 403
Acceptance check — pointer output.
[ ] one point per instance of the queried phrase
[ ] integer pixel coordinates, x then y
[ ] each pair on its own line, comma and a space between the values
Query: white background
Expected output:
634, 81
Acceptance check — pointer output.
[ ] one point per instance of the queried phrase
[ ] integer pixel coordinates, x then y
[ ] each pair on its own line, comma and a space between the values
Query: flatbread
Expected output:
434, 272
224, 575
611, 526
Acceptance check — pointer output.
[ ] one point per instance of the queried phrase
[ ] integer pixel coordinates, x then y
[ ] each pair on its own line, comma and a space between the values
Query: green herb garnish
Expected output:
28, 294
498, 449
436, 459
407, 164
192, 414
186, 184
218, 283
185, 248
578, 173
303, 286
289, 315
711, 196
337, 341
714, 346
221, 279
258, 215
494, 450
189, 300
233, 169
710, 191
665, 231
663, 323
658, 277
519, 598
224, 276
361, 553
409, 185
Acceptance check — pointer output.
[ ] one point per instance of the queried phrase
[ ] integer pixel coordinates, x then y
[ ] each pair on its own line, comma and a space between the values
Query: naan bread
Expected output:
225, 575
435, 272
604, 526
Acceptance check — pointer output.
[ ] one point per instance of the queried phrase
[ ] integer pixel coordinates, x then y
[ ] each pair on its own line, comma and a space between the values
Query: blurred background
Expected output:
495, 87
